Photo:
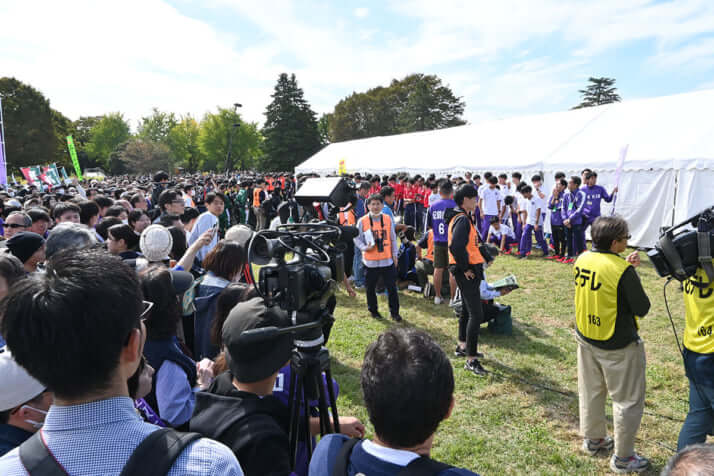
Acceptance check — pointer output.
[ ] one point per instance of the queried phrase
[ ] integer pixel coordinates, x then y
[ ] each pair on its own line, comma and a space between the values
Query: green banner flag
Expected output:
73, 154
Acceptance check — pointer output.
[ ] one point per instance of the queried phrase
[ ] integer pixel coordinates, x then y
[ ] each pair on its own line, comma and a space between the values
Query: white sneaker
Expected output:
438, 300
633, 464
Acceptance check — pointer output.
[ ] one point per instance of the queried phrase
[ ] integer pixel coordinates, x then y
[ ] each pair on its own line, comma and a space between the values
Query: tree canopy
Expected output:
291, 130
28, 122
417, 102
214, 136
598, 92
110, 131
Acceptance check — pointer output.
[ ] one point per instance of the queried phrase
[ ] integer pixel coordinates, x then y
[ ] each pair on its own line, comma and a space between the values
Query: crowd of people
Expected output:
124, 302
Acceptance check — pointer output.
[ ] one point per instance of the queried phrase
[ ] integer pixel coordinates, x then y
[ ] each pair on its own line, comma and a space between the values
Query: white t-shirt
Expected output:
503, 229
507, 189
433, 198
490, 197
532, 207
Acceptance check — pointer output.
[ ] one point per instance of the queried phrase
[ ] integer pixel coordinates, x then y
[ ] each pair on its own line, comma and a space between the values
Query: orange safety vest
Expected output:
347, 218
430, 246
256, 196
381, 228
471, 246
269, 180
282, 183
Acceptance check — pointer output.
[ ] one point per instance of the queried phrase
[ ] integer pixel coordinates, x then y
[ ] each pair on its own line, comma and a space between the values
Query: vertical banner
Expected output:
342, 168
73, 154
618, 174
3, 157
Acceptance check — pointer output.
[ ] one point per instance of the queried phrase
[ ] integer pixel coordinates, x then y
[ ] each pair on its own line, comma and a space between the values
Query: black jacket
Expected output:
254, 428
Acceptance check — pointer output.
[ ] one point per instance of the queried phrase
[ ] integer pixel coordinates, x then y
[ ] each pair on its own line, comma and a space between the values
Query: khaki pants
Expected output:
259, 218
621, 373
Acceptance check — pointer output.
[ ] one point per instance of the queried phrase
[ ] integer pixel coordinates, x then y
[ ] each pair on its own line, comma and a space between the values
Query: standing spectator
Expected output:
611, 355
594, 194
360, 209
215, 203
572, 211
29, 248
555, 203
408, 387
490, 203
259, 197
94, 302
23, 403
138, 220
17, 222
466, 265
122, 241
534, 224
378, 242
170, 203
66, 212
40, 221
436, 220
223, 266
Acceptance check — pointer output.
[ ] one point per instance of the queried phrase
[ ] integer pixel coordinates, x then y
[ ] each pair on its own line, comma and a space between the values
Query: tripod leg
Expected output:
294, 405
333, 399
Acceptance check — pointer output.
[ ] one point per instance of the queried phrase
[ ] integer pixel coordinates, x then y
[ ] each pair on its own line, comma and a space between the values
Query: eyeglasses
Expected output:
176, 202
147, 307
15, 225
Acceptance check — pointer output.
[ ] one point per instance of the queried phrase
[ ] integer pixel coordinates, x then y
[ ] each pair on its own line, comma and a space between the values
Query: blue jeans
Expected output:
358, 268
700, 418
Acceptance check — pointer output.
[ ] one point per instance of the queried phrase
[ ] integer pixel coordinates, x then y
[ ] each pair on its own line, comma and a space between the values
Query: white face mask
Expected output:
126, 222
35, 424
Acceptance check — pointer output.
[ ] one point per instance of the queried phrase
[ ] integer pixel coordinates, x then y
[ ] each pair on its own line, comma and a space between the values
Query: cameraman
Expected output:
698, 359
239, 408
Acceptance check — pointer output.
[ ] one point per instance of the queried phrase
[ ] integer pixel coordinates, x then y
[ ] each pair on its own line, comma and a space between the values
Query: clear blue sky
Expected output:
504, 57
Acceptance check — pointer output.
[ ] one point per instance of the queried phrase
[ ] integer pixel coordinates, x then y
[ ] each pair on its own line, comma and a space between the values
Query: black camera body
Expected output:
679, 255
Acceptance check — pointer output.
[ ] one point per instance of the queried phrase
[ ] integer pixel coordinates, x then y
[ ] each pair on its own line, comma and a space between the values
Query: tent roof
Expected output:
662, 133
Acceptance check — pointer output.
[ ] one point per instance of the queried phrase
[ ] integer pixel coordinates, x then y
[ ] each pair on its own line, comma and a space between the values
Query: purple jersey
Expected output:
572, 208
593, 196
435, 219
556, 205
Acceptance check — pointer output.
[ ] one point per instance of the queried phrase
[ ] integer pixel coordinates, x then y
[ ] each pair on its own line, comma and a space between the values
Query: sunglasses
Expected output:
15, 225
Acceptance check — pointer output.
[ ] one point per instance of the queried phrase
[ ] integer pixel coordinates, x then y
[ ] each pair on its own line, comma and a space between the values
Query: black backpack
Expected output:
422, 466
161, 448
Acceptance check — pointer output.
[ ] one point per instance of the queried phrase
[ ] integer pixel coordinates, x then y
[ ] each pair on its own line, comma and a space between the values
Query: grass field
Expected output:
523, 418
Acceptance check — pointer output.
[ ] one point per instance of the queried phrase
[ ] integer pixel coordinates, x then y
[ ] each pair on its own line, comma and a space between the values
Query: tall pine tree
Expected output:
599, 91
291, 132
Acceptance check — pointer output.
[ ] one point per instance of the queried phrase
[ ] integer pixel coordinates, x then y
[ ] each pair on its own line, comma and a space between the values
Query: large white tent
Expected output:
668, 174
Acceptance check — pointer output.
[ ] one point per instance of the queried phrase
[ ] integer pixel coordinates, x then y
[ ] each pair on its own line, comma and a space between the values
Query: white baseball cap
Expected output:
155, 243
18, 386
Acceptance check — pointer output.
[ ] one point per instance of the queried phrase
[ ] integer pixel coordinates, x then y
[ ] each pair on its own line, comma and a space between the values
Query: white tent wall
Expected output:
670, 139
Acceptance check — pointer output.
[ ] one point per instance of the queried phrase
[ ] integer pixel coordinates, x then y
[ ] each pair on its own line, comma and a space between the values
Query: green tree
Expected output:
140, 156
598, 92
323, 126
213, 141
110, 131
417, 102
30, 137
183, 138
81, 135
157, 126
291, 132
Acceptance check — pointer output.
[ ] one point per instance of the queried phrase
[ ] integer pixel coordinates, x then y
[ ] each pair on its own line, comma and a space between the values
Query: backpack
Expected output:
422, 466
161, 448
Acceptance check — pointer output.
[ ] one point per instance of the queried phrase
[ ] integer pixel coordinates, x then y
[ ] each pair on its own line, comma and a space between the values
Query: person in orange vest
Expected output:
258, 199
377, 240
466, 265
425, 264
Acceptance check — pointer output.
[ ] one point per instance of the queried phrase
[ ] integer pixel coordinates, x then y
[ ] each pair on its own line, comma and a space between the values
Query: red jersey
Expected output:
375, 189
409, 192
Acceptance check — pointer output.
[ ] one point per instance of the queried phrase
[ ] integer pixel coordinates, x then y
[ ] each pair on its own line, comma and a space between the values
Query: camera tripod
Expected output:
307, 385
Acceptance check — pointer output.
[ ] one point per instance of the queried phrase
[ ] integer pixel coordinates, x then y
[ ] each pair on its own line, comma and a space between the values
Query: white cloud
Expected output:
361, 12
93, 57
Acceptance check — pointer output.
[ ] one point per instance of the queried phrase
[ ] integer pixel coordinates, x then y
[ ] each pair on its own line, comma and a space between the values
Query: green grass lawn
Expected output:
523, 418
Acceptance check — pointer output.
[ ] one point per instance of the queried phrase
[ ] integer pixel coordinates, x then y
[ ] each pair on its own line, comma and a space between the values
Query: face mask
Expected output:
126, 222
35, 424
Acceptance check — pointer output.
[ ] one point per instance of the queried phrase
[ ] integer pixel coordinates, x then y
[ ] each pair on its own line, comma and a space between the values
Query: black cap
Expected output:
255, 361
25, 244
181, 280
